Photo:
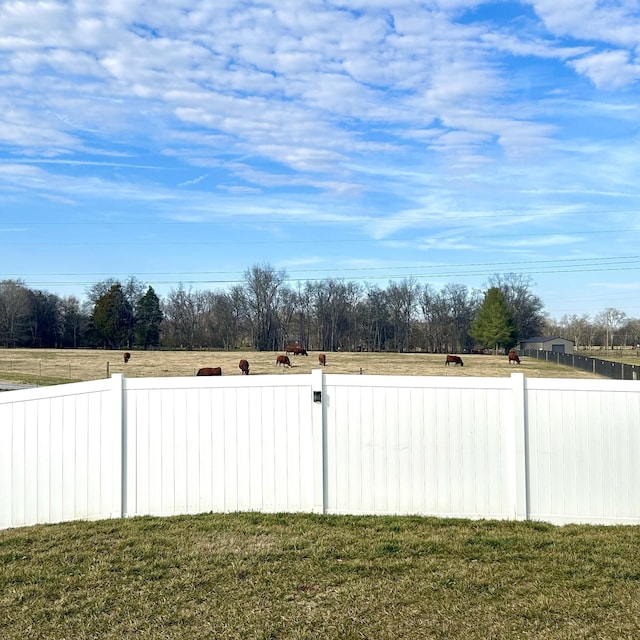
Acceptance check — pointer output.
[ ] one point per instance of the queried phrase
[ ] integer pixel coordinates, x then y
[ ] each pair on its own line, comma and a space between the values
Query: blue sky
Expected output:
184, 142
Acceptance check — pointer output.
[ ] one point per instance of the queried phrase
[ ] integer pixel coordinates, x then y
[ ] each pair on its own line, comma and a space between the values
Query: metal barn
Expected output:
547, 343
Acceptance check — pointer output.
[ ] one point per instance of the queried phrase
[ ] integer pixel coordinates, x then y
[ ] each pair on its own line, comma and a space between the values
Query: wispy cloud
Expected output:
194, 181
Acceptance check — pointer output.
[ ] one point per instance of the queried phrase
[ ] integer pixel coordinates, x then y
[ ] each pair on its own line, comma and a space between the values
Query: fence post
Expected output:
319, 435
119, 487
519, 472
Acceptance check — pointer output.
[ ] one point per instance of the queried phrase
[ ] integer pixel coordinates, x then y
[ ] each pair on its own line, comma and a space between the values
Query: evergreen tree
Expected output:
148, 317
493, 326
527, 310
111, 318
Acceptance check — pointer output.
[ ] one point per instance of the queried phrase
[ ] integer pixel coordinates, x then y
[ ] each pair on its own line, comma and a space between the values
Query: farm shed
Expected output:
547, 343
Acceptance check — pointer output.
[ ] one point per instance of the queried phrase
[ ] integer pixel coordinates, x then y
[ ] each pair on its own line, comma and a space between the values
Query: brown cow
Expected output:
322, 359
454, 359
209, 371
296, 351
244, 367
283, 360
513, 357
126, 356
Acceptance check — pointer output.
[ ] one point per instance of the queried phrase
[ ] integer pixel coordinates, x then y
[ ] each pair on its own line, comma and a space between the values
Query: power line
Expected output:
601, 263
420, 276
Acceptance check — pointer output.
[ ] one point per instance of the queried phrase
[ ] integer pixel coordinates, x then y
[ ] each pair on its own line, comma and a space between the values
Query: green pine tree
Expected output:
111, 318
148, 318
493, 326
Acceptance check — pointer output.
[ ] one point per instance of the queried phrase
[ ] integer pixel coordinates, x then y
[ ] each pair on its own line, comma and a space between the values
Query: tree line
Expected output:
266, 312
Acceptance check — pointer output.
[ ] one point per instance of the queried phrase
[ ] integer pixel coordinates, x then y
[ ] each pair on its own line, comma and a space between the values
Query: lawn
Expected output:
51, 366
277, 576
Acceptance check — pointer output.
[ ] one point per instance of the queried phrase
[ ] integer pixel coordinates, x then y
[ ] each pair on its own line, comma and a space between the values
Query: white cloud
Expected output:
188, 183
532, 242
612, 21
608, 69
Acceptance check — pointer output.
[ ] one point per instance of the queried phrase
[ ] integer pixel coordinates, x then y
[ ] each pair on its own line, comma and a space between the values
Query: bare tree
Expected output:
576, 328
231, 314
14, 312
44, 319
632, 332
300, 323
180, 318
263, 292
73, 322
402, 300
374, 321
333, 303
610, 320
447, 316
432, 314
460, 306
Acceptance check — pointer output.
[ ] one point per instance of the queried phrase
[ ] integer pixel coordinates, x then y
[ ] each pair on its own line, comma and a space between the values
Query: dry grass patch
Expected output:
49, 366
258, 576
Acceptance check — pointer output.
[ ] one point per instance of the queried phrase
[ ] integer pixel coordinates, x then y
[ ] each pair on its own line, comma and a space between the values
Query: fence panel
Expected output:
409, 445
216, 444
584, 445
60, 453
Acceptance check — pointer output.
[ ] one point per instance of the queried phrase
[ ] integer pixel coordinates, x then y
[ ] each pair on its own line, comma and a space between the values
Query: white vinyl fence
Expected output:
558, 450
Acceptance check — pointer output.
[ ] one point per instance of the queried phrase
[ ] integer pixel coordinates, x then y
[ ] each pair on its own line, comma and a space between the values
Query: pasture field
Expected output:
54, 366
626, 356
278, 576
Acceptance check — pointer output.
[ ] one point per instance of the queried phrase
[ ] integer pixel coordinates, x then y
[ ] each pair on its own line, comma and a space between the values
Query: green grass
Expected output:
302, 576
626, 356
32, 379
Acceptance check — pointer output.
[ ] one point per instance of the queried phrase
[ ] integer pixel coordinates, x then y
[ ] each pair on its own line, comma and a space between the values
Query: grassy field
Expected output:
252, 576
627, 356
52, 366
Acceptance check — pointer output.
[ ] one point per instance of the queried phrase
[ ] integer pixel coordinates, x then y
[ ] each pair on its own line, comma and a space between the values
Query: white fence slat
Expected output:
18, 465
7, 495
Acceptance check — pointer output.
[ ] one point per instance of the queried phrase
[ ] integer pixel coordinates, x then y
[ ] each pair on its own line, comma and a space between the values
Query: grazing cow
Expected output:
322, 359
209, 371
513, 357
283, 360
296, 351
244, 367
454, 359
126, 356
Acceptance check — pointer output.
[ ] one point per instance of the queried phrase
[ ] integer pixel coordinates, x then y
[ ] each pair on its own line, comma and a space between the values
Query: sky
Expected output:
443, 141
